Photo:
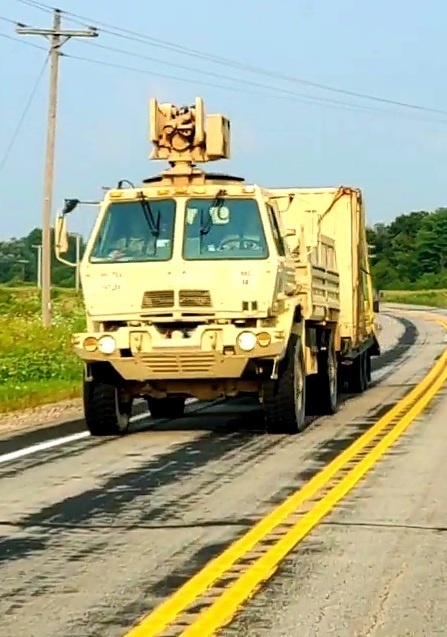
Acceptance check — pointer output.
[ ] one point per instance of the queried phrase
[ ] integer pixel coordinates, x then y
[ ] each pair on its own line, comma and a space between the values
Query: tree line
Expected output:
409, 253
19, 261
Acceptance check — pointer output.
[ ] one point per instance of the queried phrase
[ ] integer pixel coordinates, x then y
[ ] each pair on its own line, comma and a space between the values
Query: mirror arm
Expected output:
64, 261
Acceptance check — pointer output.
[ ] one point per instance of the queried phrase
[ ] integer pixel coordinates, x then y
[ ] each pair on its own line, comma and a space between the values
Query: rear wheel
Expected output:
284, 399
368, 368
328, 380
105, 413
358, 374
322, 387
170, 407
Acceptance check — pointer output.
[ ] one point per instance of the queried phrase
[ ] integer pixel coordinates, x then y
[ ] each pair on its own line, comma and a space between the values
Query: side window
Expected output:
276, 231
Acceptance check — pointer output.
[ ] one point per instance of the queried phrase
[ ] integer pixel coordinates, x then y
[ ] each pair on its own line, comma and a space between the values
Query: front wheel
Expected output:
105, 413
284, 399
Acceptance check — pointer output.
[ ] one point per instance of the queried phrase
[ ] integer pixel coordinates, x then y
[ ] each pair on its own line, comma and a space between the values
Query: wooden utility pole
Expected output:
57, 38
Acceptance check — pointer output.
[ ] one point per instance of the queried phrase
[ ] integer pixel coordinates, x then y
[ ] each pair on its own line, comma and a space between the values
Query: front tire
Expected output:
284, 399
105, 414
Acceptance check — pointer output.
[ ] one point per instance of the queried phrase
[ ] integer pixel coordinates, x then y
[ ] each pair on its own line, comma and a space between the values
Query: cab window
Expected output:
135, 231
225, 228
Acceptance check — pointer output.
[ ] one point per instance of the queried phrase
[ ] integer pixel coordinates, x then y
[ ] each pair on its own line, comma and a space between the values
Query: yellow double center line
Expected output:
211, 598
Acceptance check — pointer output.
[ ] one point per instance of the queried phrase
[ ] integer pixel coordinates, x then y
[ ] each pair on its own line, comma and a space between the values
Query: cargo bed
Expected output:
325, 217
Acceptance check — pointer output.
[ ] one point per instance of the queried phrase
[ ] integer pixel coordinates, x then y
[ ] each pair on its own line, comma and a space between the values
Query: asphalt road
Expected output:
93, 534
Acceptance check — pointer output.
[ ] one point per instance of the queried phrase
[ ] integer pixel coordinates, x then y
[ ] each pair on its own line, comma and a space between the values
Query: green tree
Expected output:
18, 261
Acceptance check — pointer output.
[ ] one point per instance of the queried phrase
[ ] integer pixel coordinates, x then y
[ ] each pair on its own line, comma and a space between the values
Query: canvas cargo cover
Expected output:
338, 213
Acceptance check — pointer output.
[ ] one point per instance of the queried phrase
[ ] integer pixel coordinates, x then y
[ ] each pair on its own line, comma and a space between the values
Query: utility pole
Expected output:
57, 38
39, 265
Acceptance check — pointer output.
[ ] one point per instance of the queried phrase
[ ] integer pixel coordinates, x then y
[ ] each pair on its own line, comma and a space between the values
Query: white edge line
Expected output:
57, 442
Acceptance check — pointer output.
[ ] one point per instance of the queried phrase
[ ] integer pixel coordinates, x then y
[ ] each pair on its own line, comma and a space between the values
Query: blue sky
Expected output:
387, 48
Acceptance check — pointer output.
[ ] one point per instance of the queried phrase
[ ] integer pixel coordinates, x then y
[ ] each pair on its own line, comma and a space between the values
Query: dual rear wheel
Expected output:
292, 397
358, 375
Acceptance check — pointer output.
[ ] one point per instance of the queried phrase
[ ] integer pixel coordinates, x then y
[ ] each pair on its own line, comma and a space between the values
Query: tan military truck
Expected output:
200, 285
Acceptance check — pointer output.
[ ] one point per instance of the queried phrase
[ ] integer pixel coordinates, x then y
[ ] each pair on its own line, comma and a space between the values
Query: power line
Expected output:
23, 115
275, 92
3, 19
11, 37
306, 98
135, 36
293, 97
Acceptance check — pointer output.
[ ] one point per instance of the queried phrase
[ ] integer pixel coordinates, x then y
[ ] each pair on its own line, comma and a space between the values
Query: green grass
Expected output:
37, 365
36, 393
436, 298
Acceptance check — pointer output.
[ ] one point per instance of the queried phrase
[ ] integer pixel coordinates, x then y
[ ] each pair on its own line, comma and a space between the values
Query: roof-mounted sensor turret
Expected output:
184, 136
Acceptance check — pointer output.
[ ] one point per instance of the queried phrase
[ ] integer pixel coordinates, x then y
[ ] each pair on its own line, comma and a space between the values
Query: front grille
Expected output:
194, 298
158, 299
197, 363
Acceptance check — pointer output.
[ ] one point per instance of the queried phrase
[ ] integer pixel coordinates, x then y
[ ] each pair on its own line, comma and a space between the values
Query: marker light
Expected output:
264, 339
90, 344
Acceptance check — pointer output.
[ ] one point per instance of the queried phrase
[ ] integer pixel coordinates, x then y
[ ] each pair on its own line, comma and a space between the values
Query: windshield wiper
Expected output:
206, 224
154, 226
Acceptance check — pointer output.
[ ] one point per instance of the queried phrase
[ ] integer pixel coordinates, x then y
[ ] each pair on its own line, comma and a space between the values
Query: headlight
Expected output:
107, 344
246, 341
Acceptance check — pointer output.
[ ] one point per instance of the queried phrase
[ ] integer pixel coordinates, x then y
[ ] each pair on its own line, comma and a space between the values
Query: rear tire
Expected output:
105, 414
358, 374
368, 376
322, 387
170, 407
284, 399
328, 380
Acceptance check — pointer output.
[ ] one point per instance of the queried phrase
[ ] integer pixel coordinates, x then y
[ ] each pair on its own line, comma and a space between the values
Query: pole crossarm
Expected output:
63, 33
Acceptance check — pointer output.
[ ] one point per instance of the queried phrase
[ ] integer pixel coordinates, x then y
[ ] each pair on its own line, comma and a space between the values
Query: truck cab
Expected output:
187, 278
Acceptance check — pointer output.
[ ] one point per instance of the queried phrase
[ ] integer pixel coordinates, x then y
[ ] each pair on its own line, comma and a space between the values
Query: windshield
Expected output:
134, 231
223, 229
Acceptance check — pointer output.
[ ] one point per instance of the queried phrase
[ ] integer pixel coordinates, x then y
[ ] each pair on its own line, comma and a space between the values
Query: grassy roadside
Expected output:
36, 365
436, 298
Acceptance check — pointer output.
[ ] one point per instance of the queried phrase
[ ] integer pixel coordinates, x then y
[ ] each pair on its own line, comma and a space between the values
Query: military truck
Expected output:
198, 284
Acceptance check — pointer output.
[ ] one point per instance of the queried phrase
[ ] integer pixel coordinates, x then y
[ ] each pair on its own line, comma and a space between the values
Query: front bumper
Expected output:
141, 354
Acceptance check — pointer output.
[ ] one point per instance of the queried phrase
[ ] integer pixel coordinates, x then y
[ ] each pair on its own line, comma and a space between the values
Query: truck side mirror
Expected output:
61, 245
376, 306
61, 235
